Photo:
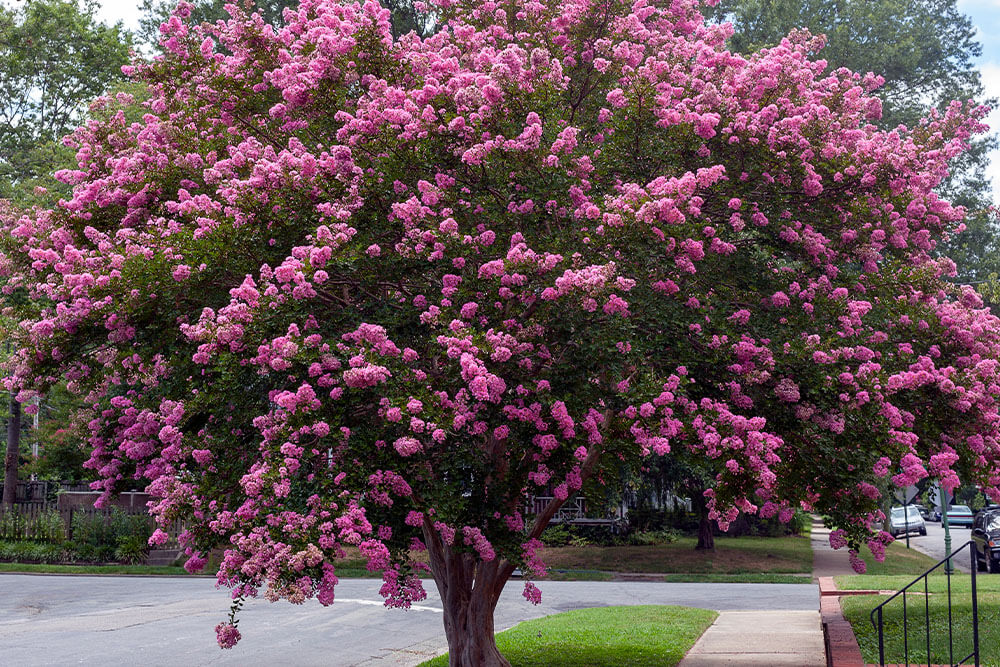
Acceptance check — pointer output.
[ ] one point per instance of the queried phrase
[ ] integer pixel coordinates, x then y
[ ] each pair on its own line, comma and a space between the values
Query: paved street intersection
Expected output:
61, 620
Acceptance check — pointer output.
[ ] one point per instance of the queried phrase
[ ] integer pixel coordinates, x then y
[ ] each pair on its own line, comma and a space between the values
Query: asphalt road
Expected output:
61, 620
933, 543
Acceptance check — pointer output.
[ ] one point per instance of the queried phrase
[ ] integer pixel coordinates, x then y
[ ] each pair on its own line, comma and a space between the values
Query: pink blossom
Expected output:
227, 635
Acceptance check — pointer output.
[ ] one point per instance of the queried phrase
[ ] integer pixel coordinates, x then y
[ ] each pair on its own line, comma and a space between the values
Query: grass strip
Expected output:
602, 637
739, 578
578, 575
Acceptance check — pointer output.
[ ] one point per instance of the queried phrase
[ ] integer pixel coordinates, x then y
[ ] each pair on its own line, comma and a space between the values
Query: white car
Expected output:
900, 523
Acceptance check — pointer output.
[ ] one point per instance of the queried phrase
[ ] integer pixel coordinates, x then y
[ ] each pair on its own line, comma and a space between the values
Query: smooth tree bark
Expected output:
470, 589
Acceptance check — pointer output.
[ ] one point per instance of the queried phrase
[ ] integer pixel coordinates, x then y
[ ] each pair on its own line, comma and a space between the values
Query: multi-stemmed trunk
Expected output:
470, 589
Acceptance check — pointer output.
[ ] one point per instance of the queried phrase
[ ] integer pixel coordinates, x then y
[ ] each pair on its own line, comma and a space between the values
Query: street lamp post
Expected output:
948, 568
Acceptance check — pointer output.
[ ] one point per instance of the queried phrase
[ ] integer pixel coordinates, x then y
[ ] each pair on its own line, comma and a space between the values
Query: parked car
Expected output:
986, 539
924, 512
901, 521
959, 515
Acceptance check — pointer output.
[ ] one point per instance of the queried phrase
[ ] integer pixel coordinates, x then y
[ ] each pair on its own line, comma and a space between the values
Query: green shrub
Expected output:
100, 538
556, 535
132, 549
46, 526
11, 526
93, 553
801, 522
653, 537
25, 551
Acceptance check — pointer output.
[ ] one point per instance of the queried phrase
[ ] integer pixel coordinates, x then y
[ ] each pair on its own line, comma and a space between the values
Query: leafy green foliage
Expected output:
120, 536
654, 538
45, 526
33, 552
55, 56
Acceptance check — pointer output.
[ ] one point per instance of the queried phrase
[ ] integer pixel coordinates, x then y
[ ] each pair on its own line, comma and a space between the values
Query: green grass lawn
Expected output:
898, 560
732, 555
857, 609
602, 637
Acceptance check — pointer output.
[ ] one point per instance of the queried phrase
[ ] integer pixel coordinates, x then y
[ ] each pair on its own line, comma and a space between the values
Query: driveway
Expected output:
60, 620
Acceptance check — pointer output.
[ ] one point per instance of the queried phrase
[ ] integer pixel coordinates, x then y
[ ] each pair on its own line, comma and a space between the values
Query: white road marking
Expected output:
377, 603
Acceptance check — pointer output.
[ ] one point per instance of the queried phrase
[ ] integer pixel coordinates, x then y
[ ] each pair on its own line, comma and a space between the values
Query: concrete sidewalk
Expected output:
773, 637
827, 562
760, 638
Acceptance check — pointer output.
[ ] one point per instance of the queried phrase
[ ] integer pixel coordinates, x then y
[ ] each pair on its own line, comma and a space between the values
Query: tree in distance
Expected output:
55, 57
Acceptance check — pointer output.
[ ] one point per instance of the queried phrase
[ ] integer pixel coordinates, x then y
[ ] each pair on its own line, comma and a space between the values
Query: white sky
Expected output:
120, 10
985, 15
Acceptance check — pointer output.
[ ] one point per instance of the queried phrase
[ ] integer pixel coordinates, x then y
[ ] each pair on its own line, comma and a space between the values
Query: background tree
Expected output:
55, 57
925, 50
339, 288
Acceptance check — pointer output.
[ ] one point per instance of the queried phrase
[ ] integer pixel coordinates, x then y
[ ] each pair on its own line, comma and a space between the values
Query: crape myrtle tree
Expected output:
339, 289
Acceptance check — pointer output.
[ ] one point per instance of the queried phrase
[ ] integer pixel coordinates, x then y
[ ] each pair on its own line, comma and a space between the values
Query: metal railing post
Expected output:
975, 608
881, 640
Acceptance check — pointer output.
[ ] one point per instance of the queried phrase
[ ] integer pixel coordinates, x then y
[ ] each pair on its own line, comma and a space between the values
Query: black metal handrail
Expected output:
927, 618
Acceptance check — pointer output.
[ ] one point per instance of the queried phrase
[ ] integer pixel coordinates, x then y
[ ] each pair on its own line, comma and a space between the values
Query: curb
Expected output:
842, 648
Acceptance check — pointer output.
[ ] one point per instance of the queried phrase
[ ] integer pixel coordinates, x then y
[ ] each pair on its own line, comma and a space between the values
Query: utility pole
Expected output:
10, 461
13, 445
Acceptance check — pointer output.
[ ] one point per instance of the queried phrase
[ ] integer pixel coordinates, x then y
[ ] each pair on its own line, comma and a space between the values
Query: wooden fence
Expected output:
30, 521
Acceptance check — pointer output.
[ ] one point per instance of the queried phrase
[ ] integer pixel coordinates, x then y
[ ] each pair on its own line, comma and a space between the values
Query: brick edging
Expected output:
842, 648
828, 587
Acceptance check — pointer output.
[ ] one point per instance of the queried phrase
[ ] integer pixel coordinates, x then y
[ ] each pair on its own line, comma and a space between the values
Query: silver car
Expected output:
900, 523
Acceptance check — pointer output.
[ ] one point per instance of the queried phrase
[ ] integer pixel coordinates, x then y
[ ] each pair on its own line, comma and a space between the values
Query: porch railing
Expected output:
878, 614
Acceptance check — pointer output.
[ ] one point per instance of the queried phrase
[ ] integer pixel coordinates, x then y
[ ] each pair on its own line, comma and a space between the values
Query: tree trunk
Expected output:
470, 588
10, 460
706, 538
469, 591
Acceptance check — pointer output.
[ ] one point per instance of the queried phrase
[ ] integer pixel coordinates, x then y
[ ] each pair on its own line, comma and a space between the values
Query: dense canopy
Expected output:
337, 288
